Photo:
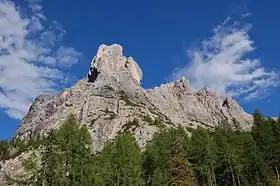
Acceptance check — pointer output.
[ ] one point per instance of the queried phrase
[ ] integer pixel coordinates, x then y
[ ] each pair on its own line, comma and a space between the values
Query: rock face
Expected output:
116, 97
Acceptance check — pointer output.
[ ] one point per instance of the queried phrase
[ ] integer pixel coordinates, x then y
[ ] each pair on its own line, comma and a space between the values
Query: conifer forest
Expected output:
219, 156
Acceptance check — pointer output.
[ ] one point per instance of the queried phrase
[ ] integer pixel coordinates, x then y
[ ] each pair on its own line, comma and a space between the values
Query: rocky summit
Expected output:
116, 97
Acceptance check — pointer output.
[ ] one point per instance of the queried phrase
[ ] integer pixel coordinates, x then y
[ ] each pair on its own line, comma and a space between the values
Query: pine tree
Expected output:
255, 171
52, 162
180, 170
103, 171
127, 159
165, 162
264, 132
67, 158
156, 158
81, 165
202, 153
227, 155
120, 162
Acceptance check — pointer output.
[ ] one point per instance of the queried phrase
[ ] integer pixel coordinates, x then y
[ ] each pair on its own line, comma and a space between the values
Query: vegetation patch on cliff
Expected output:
111, 114
131, 125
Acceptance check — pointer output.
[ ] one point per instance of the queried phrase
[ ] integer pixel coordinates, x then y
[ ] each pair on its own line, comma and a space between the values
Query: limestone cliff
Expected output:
117, 97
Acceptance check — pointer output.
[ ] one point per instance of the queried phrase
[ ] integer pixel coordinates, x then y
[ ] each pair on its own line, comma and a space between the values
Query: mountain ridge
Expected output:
118, 73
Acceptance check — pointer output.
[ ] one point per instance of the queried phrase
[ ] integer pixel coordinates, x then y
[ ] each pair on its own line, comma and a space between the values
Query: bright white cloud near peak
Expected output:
220, 64
31, 63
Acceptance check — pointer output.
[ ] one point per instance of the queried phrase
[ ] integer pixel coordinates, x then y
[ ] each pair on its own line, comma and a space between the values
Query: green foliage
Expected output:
66, 156
147, 119
157, 122
131, 125
201, 150
52, 171
4, 150
266, 135
120, 162
31, 163
180, 170
223, 156
14, 147
232, 157
162, 158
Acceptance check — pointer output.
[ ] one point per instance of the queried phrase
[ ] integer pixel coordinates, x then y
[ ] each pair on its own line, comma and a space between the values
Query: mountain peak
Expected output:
109, 60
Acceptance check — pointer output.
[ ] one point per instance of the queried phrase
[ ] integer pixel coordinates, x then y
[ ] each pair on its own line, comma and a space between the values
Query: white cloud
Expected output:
67, 56
220, 64
30, 62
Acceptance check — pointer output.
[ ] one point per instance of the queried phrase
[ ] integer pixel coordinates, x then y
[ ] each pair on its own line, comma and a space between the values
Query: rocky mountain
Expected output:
116, 97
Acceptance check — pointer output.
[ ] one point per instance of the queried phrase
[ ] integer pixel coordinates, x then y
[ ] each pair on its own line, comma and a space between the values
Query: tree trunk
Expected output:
209, 178
258, 178
232, 175
213, 174
239, 183
277, 173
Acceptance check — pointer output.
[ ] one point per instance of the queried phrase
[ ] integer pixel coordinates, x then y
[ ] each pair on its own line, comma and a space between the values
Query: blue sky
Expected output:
229, 46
